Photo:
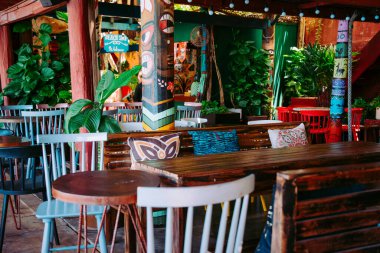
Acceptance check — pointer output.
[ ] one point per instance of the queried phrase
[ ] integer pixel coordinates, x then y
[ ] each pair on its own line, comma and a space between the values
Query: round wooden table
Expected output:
105, 188
11, 119
13, 141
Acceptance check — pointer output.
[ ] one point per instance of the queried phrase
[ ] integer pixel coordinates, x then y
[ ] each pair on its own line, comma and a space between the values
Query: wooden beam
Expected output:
223, 20
81, 67
24, 10
311, 5
6, 57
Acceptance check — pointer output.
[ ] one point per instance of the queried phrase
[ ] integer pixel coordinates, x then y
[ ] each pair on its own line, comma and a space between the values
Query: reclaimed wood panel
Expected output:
339, 213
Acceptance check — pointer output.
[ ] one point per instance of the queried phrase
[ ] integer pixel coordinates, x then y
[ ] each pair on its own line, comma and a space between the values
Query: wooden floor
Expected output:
29, 238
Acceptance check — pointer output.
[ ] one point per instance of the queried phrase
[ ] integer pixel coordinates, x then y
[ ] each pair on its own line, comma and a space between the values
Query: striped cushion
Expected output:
154, 148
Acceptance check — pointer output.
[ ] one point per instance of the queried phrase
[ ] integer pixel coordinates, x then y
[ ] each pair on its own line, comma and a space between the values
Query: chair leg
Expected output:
47, 236
3, 220
263, 204
55, 233
102, 237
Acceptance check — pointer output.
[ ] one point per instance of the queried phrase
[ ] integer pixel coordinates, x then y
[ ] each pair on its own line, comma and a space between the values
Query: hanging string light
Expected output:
377, 17
266, 8
332, 15
362, 18
246, 1
317, 11
210, 11
283, 13
348, 18
189, 1
301, 14
232, 5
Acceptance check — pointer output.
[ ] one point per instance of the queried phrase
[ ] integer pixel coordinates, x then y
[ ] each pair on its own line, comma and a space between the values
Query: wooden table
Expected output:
11, 119
13, 141
264, 163
372, 125
298, 109
104, 188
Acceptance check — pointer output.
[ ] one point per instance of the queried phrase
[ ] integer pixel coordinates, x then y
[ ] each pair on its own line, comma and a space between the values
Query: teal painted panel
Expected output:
182, 31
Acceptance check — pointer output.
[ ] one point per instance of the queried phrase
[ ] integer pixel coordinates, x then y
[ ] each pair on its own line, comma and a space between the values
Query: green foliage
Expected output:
22, 26
39, 78
308, 71
88, 114
62, 16
369, 111
209, 107
249, 75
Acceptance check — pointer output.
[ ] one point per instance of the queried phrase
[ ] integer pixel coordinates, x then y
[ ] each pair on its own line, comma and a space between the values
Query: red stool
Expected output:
357, 114
319, 123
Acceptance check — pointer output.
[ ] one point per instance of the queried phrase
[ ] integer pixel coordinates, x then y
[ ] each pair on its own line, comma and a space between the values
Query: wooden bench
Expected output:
328, 209
116, 151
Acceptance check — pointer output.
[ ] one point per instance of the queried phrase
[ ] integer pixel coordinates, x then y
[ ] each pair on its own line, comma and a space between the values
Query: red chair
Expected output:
283, 114
357, 114
319, 123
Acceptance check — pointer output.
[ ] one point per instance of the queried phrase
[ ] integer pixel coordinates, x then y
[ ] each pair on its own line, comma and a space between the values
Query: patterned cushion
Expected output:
288, 137
213, 142
154, 148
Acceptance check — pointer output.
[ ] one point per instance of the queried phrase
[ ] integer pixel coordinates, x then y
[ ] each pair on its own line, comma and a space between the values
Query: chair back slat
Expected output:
222, 227
134, 105
130, 115
15, 110
188, 112
189, 230
190, 197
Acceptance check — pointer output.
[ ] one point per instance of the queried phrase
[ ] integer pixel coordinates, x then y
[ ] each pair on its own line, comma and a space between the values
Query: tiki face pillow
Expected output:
154, 148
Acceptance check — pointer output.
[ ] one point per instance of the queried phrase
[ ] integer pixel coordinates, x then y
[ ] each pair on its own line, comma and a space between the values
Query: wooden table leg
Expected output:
85, 227
115, 228
100, 229
137, 225
129, 235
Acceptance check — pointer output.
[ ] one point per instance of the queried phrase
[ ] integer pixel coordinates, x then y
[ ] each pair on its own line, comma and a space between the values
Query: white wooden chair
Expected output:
52, 209
190, 197
115, 105
188, 112
43, 122
183, 124
134, 105
199, 122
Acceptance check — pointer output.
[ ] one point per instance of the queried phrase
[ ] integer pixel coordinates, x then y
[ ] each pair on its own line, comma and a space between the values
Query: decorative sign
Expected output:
116, 43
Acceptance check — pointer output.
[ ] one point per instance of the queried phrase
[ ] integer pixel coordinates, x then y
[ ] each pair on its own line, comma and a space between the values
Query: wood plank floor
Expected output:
29, 238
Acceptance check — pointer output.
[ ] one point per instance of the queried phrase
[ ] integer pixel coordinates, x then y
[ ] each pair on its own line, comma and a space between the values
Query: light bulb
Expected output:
301, 14
348, 18
189, 1
332, 15
210, 11
317, 11
377, 17
246, 1
362, 18
266, 8
283, 13
232, 5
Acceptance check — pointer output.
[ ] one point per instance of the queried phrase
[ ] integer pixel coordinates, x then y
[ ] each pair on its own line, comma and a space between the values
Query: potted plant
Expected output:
309, 71
375, 105
216, 114
43, 77
88, 114
249, 77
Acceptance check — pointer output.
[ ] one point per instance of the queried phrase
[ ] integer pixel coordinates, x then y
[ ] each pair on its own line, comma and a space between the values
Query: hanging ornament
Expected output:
210, 11
317, 11
266, 8
301, 14
232, 5
332, 16
283, 13
246, 1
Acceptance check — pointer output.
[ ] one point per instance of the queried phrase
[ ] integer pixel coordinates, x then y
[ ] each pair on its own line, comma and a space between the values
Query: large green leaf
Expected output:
64, 79
22, 26
15, 69
62, 16
75, 109
57, 65
78, 120
105, 81
109, 125
123, 80
47, 74
92, 120
1, 98
45, 39
65, 94
45, 28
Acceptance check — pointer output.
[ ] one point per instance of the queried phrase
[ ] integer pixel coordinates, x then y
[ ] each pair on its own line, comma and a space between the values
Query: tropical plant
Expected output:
308, 71
88, 114
209, 107
249, 75
39, 76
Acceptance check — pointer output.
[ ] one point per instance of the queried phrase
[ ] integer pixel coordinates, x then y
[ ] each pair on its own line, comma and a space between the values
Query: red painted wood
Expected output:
24, 10
368, 56
80, 50
6, 56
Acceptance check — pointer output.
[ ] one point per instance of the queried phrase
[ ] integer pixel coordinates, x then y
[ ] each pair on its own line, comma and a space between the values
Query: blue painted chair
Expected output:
14, 110
52, 208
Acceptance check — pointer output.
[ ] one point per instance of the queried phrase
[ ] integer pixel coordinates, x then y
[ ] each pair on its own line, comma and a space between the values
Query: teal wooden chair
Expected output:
14, 110
52, 208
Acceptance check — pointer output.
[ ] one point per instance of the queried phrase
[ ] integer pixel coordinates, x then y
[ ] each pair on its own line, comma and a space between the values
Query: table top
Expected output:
264, 163
297, 109
13, 141
102, 187
11, 119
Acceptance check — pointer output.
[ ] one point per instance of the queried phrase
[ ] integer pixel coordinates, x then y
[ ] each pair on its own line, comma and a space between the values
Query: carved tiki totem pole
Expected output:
157, 59
339, 82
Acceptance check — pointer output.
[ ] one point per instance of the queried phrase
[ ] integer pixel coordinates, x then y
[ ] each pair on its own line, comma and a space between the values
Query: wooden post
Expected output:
81, 66
157, 58
6, 56
339, 83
